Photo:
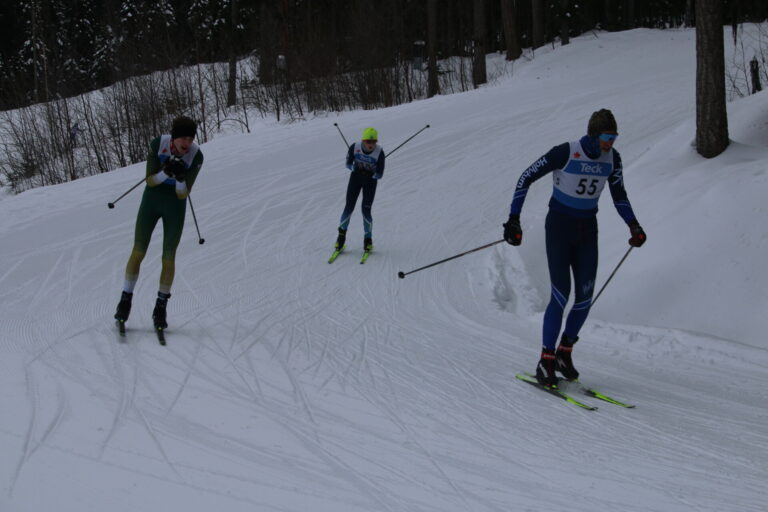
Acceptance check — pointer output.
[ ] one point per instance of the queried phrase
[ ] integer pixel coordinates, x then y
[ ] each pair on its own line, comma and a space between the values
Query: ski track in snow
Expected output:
290, 384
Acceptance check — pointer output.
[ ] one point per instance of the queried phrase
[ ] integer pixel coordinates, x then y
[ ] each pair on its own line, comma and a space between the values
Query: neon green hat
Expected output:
370, 134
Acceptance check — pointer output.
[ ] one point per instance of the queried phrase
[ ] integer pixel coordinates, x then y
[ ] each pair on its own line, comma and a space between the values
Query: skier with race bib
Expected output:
580, 170
173, 163
365, 160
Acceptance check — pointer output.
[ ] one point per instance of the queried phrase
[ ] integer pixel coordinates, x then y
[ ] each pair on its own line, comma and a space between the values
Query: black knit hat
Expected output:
601, 121
183, 127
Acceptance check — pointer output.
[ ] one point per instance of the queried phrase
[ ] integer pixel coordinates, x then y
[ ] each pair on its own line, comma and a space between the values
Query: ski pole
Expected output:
112, 204
201, 240
611, 276
346, 144
406, 140
402, 275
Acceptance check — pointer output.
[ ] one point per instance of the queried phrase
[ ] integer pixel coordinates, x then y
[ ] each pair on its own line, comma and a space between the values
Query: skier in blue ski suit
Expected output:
365, 160
580, 170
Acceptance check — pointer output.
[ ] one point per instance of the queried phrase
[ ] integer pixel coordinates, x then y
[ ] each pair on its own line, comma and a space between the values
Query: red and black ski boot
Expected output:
564, 359
545, 370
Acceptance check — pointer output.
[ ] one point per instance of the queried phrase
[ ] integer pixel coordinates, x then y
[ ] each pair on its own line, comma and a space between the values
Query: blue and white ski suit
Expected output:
367, 169
579, 170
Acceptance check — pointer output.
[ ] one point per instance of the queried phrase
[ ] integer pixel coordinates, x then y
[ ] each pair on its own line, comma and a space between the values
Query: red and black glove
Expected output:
513, 233
638, 235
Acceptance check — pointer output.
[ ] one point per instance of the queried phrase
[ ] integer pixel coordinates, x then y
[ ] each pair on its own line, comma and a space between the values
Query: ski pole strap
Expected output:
611, 276
402, 275
406, 140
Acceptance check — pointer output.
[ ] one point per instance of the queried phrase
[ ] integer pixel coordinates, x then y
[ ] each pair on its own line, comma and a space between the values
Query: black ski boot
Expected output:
545, 370
341, 239
158, 315
123, 307
368, 244
563, 358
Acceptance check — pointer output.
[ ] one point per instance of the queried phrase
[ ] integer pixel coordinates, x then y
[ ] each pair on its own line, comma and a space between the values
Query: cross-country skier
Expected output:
366, 161
173, 163
580, 170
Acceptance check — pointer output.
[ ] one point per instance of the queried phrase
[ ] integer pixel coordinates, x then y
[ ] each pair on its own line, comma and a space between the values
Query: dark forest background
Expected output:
220, 61
58, 48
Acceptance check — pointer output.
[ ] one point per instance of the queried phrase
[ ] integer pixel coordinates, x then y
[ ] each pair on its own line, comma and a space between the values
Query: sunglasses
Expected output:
608, 137
370, 141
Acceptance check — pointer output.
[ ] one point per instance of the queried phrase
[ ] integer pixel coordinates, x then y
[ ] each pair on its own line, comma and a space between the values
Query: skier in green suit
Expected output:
173, 163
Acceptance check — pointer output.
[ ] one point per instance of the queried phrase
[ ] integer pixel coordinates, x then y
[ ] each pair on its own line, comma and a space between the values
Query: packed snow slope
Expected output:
292, 385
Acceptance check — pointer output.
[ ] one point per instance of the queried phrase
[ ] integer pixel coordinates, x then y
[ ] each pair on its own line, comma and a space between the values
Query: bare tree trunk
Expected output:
433, 86
754, 73
711, 114
609, 15
479, 75
690, 17
564, 25
629, 14
510, 32
203, 125
232, 82
537, 15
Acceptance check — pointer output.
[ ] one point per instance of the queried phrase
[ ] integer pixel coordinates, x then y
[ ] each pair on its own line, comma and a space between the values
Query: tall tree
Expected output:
565, 26
232, 80
479, 75
34, 51
433, 86
711, 114
510, 30
537, 22
629, 14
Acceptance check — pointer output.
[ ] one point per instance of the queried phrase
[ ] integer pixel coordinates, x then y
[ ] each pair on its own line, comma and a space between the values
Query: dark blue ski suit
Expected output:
367, 168
580, 170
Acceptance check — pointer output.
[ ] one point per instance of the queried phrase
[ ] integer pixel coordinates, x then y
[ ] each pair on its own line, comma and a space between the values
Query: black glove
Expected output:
638, 235
513, 233
362, 169
180, 173
175, 168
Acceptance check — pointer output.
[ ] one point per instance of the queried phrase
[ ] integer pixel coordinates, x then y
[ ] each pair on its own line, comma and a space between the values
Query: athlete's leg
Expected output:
173, 226
369, 192
146, 220
353, 190
558, 261
584, 271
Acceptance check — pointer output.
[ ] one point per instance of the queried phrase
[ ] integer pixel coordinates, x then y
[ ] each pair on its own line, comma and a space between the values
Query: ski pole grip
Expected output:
401, 275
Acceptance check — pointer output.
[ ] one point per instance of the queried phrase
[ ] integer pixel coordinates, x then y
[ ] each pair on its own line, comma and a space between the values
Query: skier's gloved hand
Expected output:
180, 173
638, 235
513, 233
175, 167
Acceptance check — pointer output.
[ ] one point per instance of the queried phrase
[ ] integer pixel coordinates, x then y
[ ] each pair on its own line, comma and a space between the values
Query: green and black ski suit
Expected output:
166, 200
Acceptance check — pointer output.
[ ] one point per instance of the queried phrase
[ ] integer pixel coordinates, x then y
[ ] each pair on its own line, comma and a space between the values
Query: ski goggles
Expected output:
608, 137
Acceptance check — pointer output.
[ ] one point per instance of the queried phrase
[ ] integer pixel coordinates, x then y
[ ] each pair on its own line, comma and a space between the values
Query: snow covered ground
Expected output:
292, 385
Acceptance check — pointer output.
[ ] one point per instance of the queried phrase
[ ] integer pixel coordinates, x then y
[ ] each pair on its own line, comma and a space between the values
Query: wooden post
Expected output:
754, 70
